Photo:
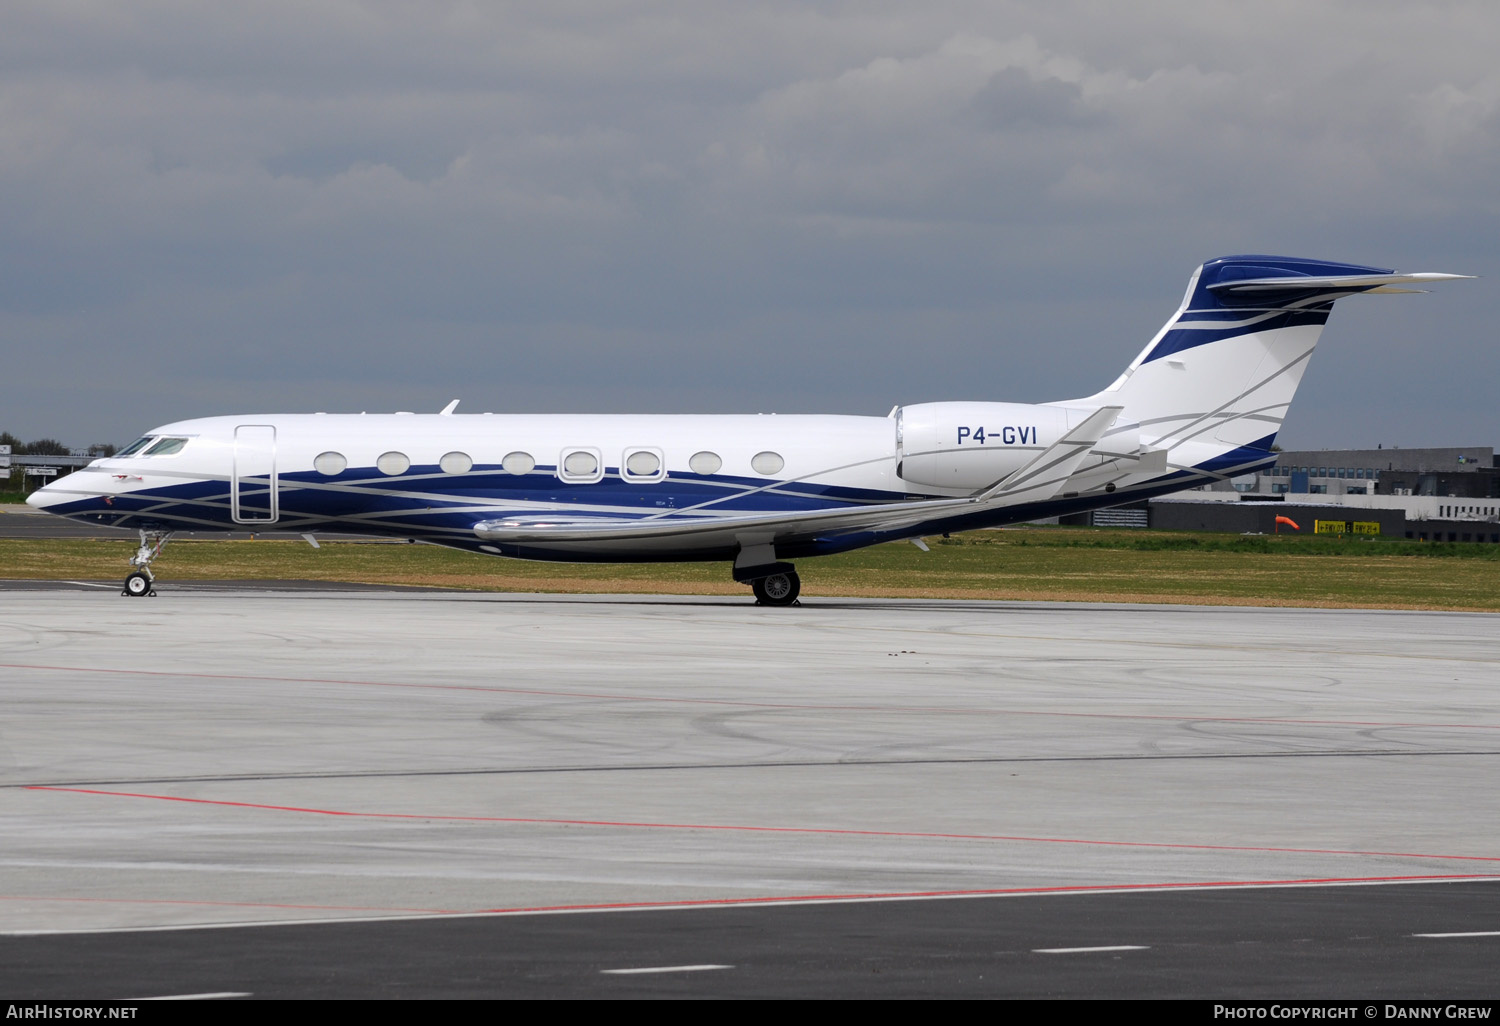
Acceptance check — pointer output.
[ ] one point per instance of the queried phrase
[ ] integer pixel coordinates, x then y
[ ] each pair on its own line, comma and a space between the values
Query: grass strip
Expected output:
1062, 564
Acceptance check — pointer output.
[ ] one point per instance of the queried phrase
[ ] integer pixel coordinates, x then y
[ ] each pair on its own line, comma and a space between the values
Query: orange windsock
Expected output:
1288, 521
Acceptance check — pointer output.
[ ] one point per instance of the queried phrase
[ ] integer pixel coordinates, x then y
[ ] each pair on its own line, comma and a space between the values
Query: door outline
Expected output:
254, 458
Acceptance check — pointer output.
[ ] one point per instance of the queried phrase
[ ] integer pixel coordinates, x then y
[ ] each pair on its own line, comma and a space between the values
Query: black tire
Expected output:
137, 585
778, 589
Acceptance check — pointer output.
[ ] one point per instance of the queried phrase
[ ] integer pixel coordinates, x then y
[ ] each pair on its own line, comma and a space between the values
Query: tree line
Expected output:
51, 447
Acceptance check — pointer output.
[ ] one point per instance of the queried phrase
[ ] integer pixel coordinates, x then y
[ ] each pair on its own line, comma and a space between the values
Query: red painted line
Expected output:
740, 828
988, 892
599, 696
761, 900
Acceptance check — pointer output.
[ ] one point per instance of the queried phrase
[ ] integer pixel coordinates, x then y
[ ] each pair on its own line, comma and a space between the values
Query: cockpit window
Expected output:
136, 446
166, 447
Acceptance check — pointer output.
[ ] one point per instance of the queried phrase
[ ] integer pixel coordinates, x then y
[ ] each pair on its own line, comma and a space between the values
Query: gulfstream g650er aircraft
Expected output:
1203, 400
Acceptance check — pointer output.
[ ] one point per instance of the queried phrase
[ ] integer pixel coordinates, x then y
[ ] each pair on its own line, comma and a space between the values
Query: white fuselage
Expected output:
1202, 401
433, 477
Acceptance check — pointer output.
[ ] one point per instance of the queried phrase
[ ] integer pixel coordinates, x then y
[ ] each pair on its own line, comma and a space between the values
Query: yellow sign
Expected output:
1346, 527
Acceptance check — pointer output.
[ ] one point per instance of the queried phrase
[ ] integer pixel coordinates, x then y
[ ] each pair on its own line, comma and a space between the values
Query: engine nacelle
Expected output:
969, 446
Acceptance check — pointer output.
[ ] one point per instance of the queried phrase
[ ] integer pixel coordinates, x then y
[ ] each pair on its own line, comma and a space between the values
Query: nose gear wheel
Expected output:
142, 583
138, 585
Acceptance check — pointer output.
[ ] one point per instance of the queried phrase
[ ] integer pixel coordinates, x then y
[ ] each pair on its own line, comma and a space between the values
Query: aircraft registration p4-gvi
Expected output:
1202, 401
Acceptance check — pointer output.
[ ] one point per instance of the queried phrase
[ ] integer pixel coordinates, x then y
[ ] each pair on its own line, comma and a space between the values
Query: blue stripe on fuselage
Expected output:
353, 505
426, 497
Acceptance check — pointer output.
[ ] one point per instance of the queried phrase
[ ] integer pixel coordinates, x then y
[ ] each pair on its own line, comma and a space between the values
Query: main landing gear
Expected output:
779, 589
142, 583
774, 583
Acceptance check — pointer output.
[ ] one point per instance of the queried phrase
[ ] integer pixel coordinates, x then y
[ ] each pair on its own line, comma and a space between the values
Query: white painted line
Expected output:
92, 584
663, 969
1078, 951
195, 997
1482, 933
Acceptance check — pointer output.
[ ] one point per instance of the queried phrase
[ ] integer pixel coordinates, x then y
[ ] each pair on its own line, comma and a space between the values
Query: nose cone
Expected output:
44, 497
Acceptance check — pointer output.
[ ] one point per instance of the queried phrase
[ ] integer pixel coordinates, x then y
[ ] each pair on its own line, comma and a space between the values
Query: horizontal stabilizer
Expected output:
1338, 281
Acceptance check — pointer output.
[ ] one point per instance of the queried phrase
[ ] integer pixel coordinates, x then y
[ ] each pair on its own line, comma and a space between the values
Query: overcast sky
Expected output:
739, 207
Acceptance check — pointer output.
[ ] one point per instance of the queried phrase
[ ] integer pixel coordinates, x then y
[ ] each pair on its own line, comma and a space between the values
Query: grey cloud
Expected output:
1013, 99
677, 206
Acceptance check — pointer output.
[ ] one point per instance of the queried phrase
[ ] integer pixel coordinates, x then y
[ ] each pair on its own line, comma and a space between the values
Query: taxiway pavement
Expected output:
247, 755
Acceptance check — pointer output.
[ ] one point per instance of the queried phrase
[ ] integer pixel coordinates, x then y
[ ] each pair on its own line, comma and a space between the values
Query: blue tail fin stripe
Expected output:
1179, 339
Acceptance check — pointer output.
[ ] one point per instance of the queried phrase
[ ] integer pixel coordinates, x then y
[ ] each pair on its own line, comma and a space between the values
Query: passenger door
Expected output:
252, 483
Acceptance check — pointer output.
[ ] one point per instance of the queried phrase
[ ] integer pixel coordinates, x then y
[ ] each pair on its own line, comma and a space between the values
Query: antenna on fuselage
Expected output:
447, 411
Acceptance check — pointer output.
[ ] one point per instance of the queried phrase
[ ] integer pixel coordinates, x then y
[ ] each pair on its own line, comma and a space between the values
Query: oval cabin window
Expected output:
330, 463
767, 463
643, 463
393, 463
579, 464
456, 463
705, 463
518, 463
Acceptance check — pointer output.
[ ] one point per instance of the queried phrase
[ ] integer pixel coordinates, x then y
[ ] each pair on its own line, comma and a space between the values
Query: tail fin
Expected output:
1215, 383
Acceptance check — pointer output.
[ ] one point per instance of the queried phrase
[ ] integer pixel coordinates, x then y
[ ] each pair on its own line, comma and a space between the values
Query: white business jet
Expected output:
1202, 401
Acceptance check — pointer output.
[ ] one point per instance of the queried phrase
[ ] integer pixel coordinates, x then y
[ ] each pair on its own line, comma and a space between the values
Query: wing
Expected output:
1042, 478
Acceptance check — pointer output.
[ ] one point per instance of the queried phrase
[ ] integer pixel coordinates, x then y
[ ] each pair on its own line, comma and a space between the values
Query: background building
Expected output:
1442, 494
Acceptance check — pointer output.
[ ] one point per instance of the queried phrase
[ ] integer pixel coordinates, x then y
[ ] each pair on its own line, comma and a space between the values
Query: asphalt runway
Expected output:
1228, 801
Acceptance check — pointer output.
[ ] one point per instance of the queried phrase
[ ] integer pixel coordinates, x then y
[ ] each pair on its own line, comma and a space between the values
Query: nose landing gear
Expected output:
142, 583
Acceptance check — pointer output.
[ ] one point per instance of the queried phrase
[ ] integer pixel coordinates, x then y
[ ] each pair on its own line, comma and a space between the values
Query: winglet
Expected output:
1046, 475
